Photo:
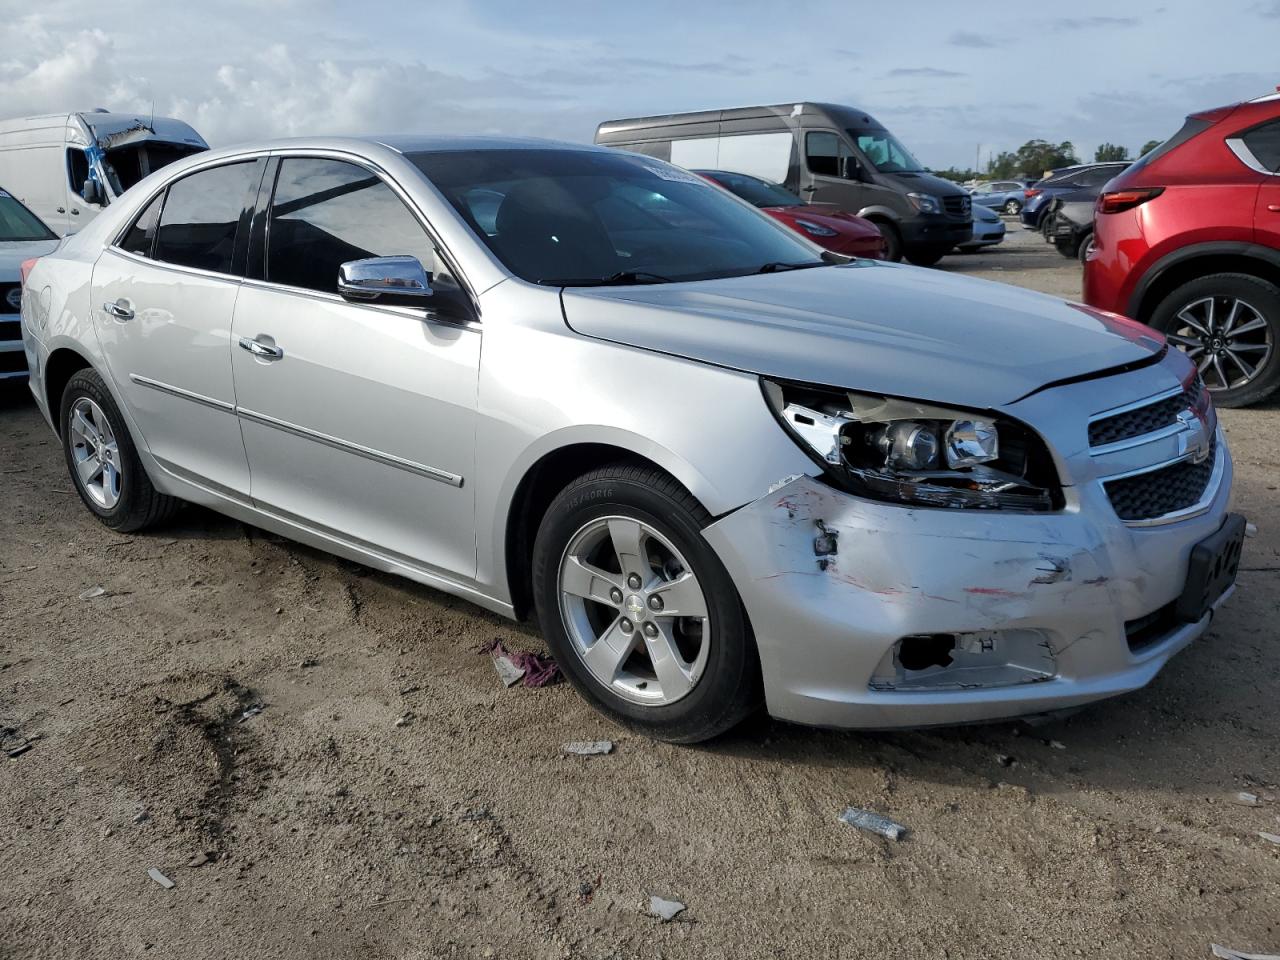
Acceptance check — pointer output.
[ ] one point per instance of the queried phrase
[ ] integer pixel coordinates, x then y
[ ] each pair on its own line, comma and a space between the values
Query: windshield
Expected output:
885, 152
760, 193
579, 217
19, 223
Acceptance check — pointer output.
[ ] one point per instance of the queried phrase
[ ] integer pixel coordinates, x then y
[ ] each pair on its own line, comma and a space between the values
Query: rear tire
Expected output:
1195, 319
927, 256
716, 683
1012, 207
1069, 248
103, 461
892, 240
1083, 251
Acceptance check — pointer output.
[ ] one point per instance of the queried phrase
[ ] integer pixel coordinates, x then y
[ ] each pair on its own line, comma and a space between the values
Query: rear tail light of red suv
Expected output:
1117, 201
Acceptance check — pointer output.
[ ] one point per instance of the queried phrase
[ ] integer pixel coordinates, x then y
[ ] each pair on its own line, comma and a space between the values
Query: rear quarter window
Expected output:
1263, 142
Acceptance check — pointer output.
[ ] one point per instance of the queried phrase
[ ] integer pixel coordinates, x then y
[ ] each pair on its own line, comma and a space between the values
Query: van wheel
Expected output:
103, 461
1229, 324
892, 240
638, 610
927, 256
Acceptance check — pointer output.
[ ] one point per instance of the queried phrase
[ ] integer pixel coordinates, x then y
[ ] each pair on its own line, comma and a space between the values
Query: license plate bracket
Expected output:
1215, 560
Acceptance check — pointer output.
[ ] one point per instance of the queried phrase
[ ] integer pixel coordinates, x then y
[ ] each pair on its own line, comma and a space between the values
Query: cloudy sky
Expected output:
946, 83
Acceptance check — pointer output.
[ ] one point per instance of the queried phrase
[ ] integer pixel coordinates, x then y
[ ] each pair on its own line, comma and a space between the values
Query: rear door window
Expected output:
327, 212
204, 216
77, 170
1264, 143
141, 235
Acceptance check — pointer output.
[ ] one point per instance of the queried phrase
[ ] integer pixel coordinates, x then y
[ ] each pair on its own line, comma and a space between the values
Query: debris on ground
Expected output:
1057, 744
201, 858
531, 669
874, 822
587, 889
92, 592
251, 712
588, 748
13, 742
1269, 837
308, 663
1245, 799
666, 910
1226, 953
476, 815
141, 816
160, 878
1005, 760
404, 719
1250, 529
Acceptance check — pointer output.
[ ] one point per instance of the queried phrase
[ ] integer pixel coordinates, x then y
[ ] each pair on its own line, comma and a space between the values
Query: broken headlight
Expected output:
917, 453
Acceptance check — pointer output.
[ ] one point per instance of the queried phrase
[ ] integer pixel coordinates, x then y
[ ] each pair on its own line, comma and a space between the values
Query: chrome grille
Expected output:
7, 289
10, 330
1166, 490
1144, 420
958, 206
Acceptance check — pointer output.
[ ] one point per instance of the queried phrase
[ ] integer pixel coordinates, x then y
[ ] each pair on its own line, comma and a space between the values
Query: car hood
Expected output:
14, 252
829, 215
879, 327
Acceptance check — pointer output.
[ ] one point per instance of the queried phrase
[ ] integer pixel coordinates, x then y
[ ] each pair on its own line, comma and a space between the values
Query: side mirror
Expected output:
92, 193
397, 281
850, 168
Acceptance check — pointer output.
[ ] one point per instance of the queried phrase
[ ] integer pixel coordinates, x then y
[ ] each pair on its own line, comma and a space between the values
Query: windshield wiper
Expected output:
778, 266
621, 278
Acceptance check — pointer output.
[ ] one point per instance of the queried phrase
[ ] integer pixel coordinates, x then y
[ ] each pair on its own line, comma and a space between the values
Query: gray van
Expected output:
826, 153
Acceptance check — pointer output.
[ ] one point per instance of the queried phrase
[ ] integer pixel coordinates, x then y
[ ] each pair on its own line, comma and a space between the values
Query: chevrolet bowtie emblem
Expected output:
1194, 442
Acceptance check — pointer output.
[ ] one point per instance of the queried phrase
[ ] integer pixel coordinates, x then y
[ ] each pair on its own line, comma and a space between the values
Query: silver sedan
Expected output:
720, 466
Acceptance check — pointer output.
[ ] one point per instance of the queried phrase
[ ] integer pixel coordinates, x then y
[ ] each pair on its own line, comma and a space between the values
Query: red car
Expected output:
823, 223
1187, 239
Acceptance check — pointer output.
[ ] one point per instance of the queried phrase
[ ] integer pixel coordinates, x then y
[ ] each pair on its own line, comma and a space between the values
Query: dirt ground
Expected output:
393, 799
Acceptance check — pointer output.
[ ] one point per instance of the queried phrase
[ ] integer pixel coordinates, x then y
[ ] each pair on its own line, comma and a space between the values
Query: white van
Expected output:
66, 167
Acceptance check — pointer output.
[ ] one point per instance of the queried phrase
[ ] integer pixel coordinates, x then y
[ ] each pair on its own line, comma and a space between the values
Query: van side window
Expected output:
823, 153
77, 170
142, 234
203, 214
1263, 142
326, 212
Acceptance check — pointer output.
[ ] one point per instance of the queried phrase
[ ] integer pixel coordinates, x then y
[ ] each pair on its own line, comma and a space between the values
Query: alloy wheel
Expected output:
95, 453
1228, 339
634, 611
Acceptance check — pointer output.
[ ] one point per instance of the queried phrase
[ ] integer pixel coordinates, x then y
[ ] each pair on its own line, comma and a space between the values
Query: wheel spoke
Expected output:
1185, 316
1247, 370
1222, 374
582, 579
1257, 323
88, 468
627, 537
1209, 315
1228, 323
1249, 347
668, 664
81, 426
1189, 343
610, 651
1203, 364
682, 597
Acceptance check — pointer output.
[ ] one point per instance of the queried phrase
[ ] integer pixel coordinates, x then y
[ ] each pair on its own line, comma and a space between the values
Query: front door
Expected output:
358, 419
828, 174
163, 298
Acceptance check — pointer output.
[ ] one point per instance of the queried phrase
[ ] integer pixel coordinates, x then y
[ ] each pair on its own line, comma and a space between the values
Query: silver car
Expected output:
720, 466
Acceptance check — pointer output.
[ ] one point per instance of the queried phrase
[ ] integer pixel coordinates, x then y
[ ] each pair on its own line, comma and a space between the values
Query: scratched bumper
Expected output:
1075, 576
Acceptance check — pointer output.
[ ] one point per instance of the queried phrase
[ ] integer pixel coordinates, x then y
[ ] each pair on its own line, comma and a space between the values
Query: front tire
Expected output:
1229, 324
926, 257
892, 240
638, 610
103, 460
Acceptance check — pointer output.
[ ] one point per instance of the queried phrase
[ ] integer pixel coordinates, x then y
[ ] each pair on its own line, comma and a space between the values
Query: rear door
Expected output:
1263, 143
362, 423
163, 297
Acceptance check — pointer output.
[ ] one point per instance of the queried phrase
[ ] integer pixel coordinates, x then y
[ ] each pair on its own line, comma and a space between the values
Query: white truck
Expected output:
67, 167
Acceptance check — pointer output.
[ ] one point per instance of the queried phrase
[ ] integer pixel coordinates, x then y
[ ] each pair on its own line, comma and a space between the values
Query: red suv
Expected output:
1187, 239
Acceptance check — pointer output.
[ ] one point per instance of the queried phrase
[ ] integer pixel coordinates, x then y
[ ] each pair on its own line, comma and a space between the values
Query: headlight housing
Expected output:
904, 451
925, 202
815, 229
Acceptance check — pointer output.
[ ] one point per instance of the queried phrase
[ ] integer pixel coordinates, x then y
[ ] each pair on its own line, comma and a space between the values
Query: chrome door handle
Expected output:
118, 310
260, 349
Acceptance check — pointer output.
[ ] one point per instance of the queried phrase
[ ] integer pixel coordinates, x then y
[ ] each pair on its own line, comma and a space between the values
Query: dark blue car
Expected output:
1066, 180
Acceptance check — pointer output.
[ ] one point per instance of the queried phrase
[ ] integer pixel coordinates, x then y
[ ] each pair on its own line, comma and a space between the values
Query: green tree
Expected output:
1032, 159
1149, 146
1110, 151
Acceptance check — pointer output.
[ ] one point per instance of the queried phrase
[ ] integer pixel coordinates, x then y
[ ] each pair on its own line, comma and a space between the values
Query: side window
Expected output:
823, 152
1264, 143
763, 155
77, 170
1097, 176
203, 215
326, 212
143, 232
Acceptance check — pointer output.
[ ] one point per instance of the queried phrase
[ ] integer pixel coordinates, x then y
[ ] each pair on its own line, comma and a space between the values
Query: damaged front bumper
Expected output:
876, 615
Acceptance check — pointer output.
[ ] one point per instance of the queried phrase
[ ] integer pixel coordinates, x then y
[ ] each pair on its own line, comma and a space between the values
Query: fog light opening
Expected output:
929, 650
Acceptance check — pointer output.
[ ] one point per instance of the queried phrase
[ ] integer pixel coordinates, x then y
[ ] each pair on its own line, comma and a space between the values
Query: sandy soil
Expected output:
330, 830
